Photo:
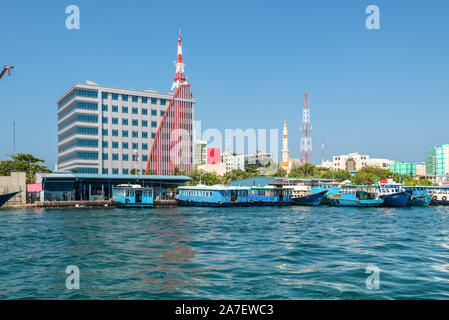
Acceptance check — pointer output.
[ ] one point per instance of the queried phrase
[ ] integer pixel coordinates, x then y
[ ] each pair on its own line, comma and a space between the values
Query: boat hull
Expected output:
309, 200
187, 203
419, 200
6, 197
354, 203
439, 203
398, 199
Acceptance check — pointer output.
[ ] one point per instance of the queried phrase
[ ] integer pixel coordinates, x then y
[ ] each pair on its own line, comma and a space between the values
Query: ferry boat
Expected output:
330, 187
133, 196
392, 193
303, 195
419, 195
7, 196
270, 196
439, 195
213, 196
355, 196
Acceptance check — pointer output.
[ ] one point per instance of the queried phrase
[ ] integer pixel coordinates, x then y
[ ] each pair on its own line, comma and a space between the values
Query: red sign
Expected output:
383, 181
444, 183
213, 155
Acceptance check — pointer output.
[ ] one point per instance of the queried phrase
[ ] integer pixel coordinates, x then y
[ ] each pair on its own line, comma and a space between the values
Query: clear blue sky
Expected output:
382, 92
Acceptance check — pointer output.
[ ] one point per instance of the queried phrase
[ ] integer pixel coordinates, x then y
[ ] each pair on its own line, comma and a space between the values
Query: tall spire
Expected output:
180, 77
285, 150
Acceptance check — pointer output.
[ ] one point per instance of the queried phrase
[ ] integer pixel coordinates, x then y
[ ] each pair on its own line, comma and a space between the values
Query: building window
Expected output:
88, 170
125, 133
153, 124
135, 111
114, 171
115, 133
153, 101
124, 145
124, 97
115, 156
87, 155
105, 156
144, 123
104, 120
134, 157
114, 96
105, 170
144, 158
125, 122
104, 107
124, 109
114, 145
153, 112
153, 135
114, 108
144, 112
144, 100
144, 135
114, 120
104, 132
135, 122
144, 146
163, 102
104, 95
162, 112
136, 134
134, 99
104, 144
135, 146
125, 157
125, 171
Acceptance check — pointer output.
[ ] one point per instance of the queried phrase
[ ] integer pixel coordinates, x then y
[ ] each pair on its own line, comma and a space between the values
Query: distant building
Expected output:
406, 168
355, 162
233, 161
257, 160
437, 161
199, 152
217, 168
420, 170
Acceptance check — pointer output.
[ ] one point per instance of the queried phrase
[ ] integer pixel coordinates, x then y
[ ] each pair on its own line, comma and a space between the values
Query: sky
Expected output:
380, 92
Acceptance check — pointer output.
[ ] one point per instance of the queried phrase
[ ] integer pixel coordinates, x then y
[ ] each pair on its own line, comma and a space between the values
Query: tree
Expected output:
338, 175
305, 170
280, 173
23, 162
364, 178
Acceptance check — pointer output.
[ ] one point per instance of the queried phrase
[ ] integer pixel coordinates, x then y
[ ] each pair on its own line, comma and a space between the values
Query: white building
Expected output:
101, 129
355, 162
233, 161
199, 152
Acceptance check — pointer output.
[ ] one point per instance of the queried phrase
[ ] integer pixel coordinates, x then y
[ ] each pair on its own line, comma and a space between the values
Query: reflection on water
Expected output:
227, 253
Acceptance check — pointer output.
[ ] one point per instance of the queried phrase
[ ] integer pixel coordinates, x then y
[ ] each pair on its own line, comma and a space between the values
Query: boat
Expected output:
213, 196
330, 187
7, 196
270, 196
355, 196
392, 193
419, 195
133, 196
439, 195
302, 195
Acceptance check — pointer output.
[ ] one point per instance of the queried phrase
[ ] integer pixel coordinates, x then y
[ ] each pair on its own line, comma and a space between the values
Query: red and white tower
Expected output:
306, 137
180, 77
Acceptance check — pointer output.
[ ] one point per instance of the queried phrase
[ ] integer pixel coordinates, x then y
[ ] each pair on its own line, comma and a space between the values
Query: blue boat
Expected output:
308, 199
270, 196
133, 196
392, 193
330, 187
419, 195
439, 195
213, 196
7, 196
355, 196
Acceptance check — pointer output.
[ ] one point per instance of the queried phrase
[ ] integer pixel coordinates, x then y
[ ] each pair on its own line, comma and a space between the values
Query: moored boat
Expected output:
419, 195
133, 196
392, 193
7, 196
213, 196
303, 195
270, 196
439, 195
355, 196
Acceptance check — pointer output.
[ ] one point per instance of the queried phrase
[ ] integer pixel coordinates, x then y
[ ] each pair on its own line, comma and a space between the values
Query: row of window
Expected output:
78, 105
125, 145
125, 157
124, 97
78, 130
125, 122
79, 143
79, 93
78, 118
78, 155
125, 134
144, 111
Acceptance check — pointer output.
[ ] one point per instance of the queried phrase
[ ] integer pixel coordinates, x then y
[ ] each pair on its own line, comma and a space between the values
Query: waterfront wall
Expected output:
15, 182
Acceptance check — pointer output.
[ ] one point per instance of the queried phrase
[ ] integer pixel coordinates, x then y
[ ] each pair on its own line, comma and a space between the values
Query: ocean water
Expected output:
226, 253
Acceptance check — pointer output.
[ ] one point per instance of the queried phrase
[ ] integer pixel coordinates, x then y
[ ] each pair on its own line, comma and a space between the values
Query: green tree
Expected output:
338, 175
363, 178
305, 170
280, 173
23, 162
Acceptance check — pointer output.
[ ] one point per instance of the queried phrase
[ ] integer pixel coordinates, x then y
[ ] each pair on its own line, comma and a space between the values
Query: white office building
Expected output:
107, 130
354, 162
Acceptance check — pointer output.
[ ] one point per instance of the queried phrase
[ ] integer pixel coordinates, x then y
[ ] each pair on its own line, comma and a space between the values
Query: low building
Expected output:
257, 160
60, 186
355, 162
420, 170
13, 183
217, 168
233, 161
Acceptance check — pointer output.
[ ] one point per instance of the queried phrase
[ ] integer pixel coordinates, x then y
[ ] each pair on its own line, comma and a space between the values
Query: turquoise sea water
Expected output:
225, 253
